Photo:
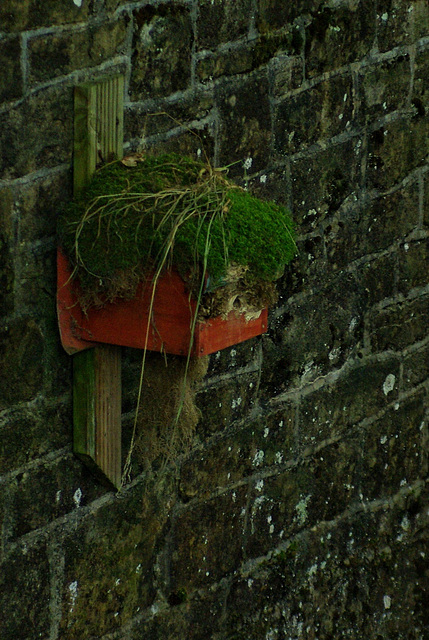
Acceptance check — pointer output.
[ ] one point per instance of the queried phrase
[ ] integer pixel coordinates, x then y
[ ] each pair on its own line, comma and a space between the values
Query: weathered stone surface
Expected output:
31, 432
246, 57
41, 495
416, 368
142, 122
59, 54
267, 442
401, 22
235, 358
426, 202
31, 14
37, 205
336, 582
338, 36
385, 87
10, 69
411, 258
316, 334
35, 292
225, 402
222, 21
275, 14
368, 226
357, 394
207, 541
245, 129
322, 182
7, 274
37, 133
319, 488
287, 73
314, 114
397, 149
394, 449
108, 568
161, 51
399, 325
378, 278
196, 617
420, 99
24, 594
21, 354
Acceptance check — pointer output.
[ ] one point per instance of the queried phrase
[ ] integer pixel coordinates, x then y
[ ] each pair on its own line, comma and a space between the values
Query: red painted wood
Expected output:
125, 322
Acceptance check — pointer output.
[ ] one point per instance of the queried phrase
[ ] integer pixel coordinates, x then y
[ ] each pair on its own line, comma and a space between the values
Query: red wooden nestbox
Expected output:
126, 322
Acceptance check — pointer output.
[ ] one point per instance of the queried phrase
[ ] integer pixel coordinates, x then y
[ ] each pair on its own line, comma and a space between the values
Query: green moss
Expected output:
175, 210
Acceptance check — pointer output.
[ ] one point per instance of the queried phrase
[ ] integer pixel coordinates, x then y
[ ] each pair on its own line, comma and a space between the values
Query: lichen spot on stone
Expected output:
389, 384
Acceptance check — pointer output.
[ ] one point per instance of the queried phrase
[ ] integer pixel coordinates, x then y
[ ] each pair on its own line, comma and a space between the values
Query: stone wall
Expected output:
302, 509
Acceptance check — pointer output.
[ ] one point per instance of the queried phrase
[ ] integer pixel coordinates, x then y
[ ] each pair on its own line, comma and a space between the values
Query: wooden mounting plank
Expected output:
98, 136
97, 410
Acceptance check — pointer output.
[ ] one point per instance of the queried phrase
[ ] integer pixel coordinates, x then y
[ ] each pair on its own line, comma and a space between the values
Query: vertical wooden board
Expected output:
84, 403
98, 134
108, 411
85, 143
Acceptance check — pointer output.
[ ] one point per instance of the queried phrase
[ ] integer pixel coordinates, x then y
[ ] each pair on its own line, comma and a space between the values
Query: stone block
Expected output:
287, 73
395, 150
25, 593
7, 274
399, 325
426, 201
21, 358
50, 491
367, 226
393, 450
416, 368
197, 141
400, 23
224, 403
266, 442
31, 432
275, 14
32, 14
315, 114
420, 95
243, 355
245, 132
378, 278
339, 36
38, 204
195, 617
319, 488
142, 122
358, 577
36, 289
37, 133
61, 53
413, 266
207, 541
322, 182
359, 393
246, 57
10, 69
108, 563
222, 21
162, 43
385, 87
317, 334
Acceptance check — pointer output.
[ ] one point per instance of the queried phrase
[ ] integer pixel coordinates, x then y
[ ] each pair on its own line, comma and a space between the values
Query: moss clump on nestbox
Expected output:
172, 211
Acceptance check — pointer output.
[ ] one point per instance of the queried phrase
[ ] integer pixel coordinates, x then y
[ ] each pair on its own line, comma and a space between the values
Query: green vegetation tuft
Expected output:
171, 210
